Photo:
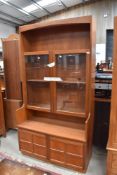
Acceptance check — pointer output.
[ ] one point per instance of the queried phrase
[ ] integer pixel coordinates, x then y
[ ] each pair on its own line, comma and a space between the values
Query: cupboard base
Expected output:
60, 151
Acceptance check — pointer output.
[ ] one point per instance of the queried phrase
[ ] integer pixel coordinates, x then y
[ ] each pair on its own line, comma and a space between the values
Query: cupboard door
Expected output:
39, 139
57, 156
26, 146
71, 89
25, 141
67, 152
40, 145
74, 161
25, 135
75, 148
57, 144
40, 151
57, 150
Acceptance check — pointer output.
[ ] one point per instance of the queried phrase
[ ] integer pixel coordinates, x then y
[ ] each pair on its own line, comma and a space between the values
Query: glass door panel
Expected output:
37, 67
71, 67
71, 91
70, 97
38, 94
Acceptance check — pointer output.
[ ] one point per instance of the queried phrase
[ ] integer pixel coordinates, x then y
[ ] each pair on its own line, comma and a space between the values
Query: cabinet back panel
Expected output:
58, 38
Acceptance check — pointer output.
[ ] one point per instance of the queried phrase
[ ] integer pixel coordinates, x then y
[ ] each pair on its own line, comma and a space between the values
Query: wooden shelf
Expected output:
36, 53
39, 108
55, 130
102, 100
64, 82
72, 82
77, 114
36, 80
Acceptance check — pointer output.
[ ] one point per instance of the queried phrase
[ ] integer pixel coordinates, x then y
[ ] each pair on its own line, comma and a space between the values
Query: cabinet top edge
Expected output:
60, 22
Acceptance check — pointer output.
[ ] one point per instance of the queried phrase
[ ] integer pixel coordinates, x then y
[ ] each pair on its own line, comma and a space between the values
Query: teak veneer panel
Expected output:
10, 106
57, 39
12, 68
55, 130
70, 21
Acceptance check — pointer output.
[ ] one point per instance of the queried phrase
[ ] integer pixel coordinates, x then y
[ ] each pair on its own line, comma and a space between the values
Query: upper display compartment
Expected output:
71, 67
64, 35
37, 67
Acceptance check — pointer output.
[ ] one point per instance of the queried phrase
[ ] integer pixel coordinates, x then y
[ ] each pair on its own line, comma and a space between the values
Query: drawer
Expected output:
75, 148
25, 135
40, 151
26, 146
57, 144
39, 139
74, 161
56, 156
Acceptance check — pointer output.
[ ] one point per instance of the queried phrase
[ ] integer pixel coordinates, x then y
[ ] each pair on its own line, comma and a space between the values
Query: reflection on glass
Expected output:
38, 94
36, 67
71, 67
71, 97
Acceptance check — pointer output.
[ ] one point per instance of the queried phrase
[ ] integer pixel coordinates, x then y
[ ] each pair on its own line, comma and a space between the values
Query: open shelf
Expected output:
55, 130
36, 80
40, 107
76, 114
64, 82
36, 53
73, 82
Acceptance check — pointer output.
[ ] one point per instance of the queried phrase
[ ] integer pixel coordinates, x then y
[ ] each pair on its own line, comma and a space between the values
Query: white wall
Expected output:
5, 31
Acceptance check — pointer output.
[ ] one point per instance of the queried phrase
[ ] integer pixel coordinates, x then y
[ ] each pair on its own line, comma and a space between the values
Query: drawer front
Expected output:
25, 135
56, 156
57, 144
75, 148
40, 151
26, 146
39, 139
74, 161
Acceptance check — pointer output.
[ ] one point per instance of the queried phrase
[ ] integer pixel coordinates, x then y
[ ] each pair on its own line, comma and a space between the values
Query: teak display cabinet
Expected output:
56, 120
